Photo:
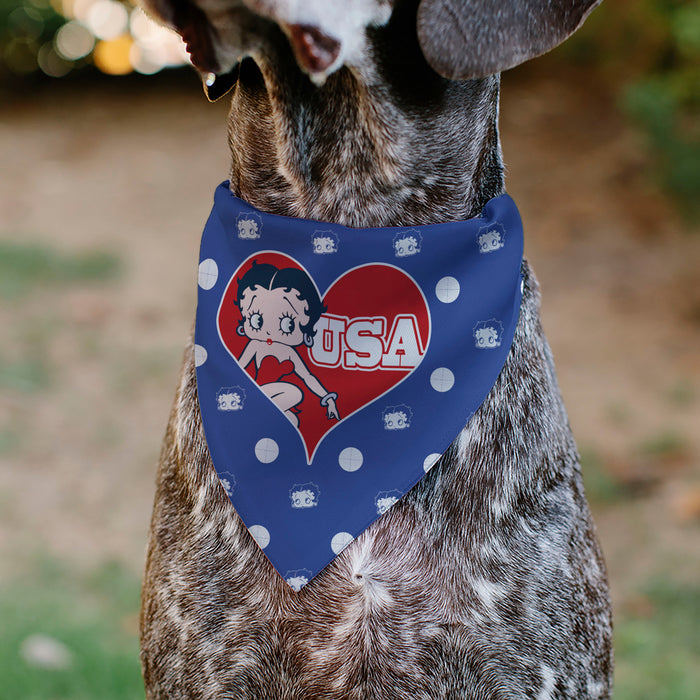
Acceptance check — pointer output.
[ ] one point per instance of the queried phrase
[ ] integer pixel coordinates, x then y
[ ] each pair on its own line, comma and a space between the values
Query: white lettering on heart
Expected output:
327, 346
364, 338
404, 344
363, 343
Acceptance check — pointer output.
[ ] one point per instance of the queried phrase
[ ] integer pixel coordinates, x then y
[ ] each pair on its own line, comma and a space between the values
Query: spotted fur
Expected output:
486, 580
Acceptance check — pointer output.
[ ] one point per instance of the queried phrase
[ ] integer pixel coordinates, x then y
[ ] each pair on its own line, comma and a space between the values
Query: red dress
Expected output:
272, 370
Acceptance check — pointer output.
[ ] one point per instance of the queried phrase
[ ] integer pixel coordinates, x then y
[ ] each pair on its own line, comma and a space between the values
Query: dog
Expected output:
484, 581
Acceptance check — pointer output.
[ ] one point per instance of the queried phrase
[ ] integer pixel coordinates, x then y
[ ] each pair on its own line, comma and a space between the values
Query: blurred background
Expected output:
109, 155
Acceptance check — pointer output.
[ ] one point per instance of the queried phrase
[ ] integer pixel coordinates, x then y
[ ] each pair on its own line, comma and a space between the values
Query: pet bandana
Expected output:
335, 365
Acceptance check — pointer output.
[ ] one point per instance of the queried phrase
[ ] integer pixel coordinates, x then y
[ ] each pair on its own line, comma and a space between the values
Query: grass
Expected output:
618, 413
26, 375
646, 468
601, 486
682, 394
665, 444
28, 266
8, 440
94, 618
658, 649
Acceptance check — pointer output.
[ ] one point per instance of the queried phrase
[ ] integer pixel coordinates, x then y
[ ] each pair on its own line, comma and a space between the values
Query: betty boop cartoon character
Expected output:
324, 242
279, 309
397, 417
298, 578
304, 495
230, 398
228, 481
385, 499
488, 334
249, 225
491, 238
407, 243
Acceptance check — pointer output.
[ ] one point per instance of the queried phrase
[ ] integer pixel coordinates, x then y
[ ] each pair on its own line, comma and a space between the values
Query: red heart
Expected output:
375, 330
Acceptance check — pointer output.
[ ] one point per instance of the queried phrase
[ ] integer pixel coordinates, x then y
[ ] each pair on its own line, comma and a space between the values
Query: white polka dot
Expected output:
260, 534
200, 355
430, 461
208, 273
340, 541
266, 450
350, 459
447, 290
442, 379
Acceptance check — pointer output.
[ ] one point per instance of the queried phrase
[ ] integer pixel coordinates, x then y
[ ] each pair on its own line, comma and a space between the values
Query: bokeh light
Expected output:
73, 41
52, 63
107, 19
20, 55
112, 56
26, 20
58, 36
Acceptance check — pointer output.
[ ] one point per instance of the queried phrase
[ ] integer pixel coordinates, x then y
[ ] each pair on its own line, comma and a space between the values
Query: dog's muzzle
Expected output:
315, 51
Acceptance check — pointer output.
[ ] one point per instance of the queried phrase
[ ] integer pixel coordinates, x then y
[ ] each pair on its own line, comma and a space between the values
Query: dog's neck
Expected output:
387, 144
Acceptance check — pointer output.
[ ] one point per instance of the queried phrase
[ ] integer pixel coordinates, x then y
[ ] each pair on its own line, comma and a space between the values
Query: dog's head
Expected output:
460, 39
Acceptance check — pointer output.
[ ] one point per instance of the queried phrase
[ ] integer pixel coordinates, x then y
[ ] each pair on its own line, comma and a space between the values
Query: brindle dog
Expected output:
486, 580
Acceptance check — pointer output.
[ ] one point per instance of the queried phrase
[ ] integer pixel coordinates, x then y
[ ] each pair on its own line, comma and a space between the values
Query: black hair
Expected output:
288, 278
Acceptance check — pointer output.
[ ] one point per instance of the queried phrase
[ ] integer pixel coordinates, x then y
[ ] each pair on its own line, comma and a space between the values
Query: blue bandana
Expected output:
335, 365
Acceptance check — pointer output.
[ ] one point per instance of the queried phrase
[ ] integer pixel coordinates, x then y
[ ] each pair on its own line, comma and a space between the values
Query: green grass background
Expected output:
95, 616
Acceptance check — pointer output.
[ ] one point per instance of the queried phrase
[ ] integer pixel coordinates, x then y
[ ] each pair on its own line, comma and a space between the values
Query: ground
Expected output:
91, 346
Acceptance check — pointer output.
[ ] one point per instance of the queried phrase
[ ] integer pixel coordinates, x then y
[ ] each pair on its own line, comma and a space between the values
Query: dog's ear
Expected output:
472, 38
190, 22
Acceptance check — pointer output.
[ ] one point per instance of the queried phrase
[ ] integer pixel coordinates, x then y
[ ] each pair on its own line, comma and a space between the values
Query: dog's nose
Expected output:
314, 50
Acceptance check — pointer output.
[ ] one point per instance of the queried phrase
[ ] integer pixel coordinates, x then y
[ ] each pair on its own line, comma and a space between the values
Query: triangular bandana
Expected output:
335, 365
